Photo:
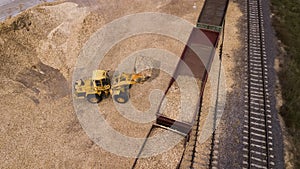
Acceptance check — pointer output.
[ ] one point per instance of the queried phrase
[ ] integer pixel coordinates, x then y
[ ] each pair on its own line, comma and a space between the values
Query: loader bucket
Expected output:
148, 67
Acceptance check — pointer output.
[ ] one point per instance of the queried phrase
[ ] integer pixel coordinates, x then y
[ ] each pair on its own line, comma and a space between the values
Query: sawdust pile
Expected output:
38, 51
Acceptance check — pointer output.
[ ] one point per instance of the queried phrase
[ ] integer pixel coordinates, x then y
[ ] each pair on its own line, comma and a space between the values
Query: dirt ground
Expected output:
229, 130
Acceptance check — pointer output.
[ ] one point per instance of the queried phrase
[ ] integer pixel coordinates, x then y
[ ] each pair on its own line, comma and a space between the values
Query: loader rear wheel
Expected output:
94, 98
121, 98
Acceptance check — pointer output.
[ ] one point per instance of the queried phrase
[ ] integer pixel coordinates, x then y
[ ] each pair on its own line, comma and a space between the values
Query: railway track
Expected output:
200, 155
192, 157
257, 134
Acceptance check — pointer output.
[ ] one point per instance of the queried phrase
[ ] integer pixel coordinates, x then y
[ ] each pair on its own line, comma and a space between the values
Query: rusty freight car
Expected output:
198, 55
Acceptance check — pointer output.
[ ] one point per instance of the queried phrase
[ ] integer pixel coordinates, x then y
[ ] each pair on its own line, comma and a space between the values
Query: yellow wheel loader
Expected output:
101, 85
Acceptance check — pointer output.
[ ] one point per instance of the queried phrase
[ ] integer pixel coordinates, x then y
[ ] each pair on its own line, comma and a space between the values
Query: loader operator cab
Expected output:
100, 80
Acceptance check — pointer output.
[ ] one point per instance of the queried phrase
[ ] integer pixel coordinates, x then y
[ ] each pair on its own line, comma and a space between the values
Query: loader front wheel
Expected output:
121, 98
94, 98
